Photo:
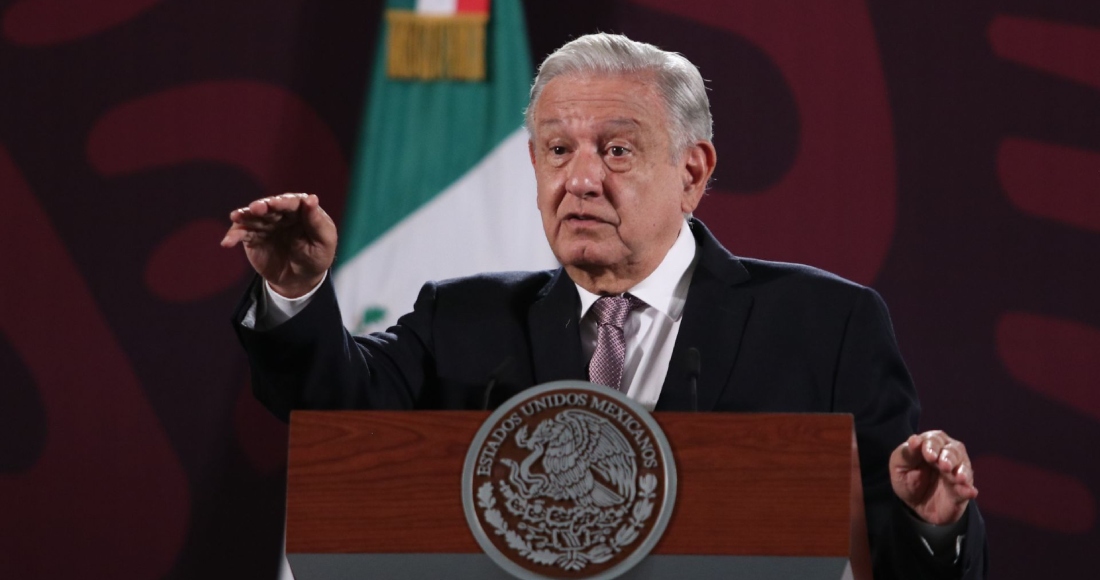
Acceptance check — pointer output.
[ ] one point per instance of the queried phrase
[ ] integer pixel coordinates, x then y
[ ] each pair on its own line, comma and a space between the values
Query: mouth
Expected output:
583, 219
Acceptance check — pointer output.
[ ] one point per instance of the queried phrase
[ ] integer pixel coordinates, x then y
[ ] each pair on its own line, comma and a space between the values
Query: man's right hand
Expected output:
289, 239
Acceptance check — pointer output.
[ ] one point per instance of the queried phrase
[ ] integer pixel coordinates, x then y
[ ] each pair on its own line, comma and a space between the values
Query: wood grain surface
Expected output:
749, 484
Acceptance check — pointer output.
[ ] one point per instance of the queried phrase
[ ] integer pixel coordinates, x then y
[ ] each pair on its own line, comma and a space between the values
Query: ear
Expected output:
531, 151
697, 167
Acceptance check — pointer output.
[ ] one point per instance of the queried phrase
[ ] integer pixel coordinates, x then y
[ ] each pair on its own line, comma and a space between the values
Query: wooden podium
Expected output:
377, 494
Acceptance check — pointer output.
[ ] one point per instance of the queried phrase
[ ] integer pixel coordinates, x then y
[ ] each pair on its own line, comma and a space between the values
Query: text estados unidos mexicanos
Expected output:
607, 407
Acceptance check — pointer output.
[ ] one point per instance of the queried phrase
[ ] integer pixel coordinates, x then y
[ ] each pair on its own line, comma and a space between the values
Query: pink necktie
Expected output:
609, 358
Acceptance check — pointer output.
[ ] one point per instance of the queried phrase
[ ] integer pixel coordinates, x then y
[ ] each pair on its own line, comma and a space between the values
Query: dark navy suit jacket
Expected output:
772, 338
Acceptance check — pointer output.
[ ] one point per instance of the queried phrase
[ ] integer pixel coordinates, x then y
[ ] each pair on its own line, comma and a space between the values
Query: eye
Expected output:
557, 150
617, 150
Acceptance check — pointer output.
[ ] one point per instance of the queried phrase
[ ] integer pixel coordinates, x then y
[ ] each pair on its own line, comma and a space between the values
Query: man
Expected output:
620, 141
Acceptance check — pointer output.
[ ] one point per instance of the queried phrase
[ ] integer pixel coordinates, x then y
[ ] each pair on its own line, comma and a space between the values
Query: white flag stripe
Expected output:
437, 6
486, 221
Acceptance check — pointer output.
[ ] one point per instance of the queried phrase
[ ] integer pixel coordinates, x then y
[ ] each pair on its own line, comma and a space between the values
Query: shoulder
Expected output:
781, 285
805, 288
497, 282
753, 273
492, 290
769, 273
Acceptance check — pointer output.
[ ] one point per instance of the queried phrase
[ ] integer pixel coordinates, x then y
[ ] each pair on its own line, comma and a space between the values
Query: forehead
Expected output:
620, 101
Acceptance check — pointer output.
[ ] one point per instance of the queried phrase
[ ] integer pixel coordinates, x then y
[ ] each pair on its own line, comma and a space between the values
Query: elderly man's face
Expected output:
610, 189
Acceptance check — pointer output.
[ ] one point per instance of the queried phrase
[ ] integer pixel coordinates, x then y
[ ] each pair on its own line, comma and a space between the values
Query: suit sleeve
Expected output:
312, 362
874, 385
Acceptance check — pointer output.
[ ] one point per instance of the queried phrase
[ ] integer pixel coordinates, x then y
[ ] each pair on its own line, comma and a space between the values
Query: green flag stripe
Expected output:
419, 137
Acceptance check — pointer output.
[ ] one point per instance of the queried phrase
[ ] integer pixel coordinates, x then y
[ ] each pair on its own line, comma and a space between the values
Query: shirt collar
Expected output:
666, 288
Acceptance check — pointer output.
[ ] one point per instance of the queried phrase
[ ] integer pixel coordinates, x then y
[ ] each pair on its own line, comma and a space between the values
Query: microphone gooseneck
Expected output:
695, 365
492, 382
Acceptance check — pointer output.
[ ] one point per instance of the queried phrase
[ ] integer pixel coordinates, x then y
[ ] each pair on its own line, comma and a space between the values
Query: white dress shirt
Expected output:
650, 331
273, 309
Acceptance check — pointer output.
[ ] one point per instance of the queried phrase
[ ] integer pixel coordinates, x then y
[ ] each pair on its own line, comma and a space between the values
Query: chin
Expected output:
586, 258
590, 252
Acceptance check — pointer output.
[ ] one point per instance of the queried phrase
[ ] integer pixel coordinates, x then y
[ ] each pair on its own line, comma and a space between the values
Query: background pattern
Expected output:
946, 153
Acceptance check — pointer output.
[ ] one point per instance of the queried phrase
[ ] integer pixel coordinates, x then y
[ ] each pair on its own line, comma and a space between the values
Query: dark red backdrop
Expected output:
947, 153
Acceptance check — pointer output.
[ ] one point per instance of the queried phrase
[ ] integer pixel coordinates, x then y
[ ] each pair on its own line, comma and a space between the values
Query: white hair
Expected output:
678, 82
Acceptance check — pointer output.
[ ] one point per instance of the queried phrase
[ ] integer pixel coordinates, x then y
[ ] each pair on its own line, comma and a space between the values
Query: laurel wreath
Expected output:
624, 536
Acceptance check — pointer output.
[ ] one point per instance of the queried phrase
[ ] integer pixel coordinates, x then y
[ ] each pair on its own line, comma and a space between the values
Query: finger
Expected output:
259, 207
232, 237
907, 456
956, 470
247, 221
239, 234
314, 215
964, 482
932, 444
254, 210
267, 221
270, 217
952, 455
959, 449
238, 213
962, 472
285, 203
963, 475
264, 224
269, 207
252, 238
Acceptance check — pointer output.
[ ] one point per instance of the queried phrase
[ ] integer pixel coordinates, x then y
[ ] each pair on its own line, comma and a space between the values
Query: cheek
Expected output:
548, 210
651, 212
545, 201
549, 194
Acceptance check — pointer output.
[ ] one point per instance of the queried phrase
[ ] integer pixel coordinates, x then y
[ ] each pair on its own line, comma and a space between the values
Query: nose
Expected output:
586, 175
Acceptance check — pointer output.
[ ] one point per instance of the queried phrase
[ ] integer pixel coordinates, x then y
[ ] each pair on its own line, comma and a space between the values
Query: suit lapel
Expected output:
554, 331
713, 321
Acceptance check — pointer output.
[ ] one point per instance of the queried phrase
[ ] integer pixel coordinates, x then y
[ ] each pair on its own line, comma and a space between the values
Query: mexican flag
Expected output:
442, 185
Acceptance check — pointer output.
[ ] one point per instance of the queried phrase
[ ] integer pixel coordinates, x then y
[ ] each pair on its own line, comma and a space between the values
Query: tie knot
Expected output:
613, 310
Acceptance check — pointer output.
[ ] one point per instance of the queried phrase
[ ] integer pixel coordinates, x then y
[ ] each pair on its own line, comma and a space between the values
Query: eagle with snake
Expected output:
584, 458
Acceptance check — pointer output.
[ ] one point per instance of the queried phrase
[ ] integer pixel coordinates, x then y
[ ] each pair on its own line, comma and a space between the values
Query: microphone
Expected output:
493, 377
694, 364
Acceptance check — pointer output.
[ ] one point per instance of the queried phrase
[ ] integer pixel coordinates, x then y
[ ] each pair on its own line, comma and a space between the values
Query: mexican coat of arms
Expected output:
569, 480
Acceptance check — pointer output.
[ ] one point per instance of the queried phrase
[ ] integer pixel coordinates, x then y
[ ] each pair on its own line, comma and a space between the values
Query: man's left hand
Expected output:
931, 473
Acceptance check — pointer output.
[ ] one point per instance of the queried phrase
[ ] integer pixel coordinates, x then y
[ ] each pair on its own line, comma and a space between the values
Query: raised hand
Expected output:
931, 473
289, 240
